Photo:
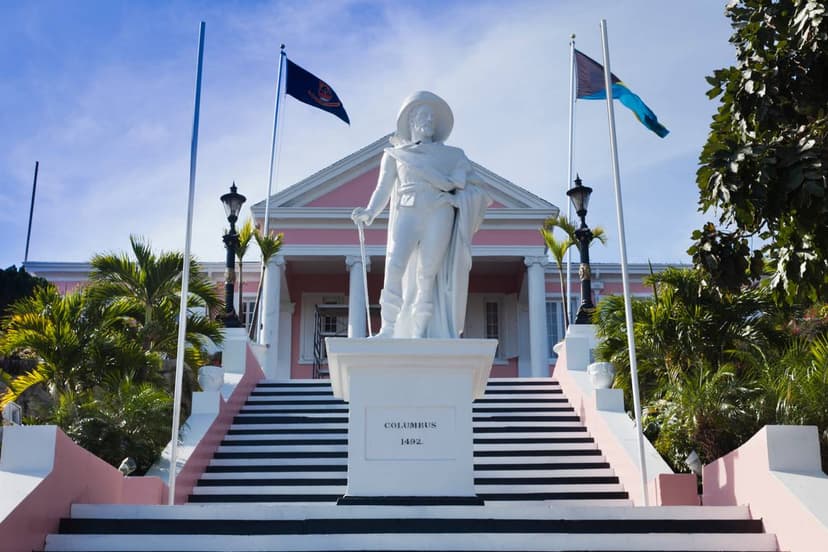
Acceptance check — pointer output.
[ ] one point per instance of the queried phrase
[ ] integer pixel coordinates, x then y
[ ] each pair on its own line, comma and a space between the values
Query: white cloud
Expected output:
113, 138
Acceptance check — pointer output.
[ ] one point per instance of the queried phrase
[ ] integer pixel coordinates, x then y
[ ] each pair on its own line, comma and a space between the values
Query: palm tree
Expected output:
559, 249
268, 245
77, 342
148, 286
246, 232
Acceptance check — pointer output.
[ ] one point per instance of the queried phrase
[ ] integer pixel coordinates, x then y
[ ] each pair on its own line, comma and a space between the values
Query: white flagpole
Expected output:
279, 79
185, 277
271, 168
572, 94
622, 240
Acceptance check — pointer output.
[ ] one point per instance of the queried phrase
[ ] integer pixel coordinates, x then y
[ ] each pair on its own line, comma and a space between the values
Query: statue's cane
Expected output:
361, 230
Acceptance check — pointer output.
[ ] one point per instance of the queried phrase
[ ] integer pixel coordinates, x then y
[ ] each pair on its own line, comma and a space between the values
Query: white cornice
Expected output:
328, 178
367, 158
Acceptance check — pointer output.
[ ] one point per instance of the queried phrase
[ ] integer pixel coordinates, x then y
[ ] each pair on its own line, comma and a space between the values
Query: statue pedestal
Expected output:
410, 437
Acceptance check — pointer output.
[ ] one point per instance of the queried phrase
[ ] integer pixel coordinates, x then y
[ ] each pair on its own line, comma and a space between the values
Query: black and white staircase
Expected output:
274, 481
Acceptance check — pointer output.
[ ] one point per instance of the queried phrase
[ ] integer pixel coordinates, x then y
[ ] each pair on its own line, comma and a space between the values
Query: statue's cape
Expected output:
452, 286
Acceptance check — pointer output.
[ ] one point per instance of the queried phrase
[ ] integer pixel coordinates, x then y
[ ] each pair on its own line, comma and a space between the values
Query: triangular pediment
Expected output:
349, 182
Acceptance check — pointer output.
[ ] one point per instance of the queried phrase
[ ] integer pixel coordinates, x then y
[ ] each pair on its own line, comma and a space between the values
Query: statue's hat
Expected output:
443, 118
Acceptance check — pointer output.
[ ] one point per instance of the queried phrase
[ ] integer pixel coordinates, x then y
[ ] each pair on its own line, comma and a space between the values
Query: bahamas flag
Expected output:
310, 89
590, 86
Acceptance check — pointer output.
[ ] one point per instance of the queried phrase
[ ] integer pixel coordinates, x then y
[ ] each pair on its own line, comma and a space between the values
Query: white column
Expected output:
538, 346
271, 301
357, 323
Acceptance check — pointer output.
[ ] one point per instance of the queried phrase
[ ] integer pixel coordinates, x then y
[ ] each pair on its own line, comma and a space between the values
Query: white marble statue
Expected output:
435, 210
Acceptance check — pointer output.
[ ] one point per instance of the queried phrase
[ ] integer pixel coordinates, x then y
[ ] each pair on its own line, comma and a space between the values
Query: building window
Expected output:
248, 310
492, 313
492, 320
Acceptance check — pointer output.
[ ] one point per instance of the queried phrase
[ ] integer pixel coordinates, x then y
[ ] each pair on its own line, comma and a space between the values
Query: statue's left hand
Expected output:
451, 199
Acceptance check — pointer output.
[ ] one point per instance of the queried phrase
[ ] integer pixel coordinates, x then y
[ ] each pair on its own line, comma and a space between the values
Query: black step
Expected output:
263, 498
531, 440
255, 393
562, 400
293, 411
301, 402
404, 525
287, 431
291, 385
567, 418
514, 453
555, 391
278, 468
281, 442
531, 429
253, 420
501, 409
545, 466
297, 454
543, 383
566, 480
272, 482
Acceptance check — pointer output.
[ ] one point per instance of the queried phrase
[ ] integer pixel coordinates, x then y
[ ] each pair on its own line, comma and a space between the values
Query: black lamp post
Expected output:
233, 202
579, 195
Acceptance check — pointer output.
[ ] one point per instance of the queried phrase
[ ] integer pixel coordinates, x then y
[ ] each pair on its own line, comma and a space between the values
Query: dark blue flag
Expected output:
591, 87
310, 89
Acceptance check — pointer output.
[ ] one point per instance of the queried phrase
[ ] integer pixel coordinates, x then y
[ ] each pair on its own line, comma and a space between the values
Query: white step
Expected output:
534, 446
397, 541
271, 489
276, 461
495, 425
288, 408
284, 448
596, 472
267, 427
340, 489
275, 511
538, 459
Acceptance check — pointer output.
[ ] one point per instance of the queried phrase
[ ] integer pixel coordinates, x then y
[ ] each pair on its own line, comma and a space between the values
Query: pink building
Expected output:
514, 290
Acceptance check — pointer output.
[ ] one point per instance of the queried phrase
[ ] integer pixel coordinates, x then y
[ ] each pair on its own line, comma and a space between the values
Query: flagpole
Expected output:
185, 276
572, 94
279, 78
622, 240
31, 212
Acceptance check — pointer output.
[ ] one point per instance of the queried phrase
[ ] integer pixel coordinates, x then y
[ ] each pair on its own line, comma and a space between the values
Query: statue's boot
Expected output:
422, 315
390, 305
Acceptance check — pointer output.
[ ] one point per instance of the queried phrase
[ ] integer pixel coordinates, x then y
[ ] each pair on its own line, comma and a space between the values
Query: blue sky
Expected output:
101, 93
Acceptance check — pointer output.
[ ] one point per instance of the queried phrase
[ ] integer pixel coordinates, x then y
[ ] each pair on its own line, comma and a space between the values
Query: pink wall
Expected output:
78, 476
311, 236
745, 476
206, 448
355, 193
507, 237
508, 370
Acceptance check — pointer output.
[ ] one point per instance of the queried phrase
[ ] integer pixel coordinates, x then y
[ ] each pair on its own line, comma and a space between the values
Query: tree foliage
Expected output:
763, 168
16, 284
123, 419
101, 350
715, 367
148, 287
75, 339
